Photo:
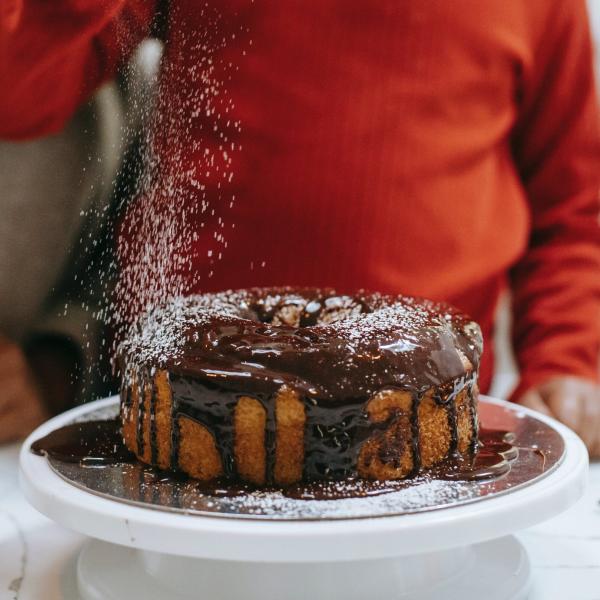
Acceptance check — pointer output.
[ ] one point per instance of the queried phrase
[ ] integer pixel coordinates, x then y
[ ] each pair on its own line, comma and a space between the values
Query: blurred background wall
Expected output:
594, 8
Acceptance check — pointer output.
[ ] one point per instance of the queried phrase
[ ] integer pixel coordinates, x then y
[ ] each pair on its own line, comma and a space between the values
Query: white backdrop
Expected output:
594, 6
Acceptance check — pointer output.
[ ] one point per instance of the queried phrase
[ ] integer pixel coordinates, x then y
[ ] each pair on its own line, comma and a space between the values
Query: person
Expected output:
442, 149
46, 337
51, 354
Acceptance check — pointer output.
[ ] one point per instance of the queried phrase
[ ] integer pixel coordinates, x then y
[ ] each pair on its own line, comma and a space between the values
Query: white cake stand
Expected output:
457, 552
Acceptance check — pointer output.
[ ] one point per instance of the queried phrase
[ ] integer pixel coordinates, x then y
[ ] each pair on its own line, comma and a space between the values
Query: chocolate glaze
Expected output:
141, 408
333, 435
153, 445
335, 351
492, 458
97, 443
88, 443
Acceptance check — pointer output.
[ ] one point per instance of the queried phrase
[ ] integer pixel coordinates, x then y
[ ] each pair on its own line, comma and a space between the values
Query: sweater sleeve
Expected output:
54, 55
556, 284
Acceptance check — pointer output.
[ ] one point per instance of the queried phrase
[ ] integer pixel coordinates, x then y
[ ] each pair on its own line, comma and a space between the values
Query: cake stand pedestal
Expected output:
493, 570
462, 551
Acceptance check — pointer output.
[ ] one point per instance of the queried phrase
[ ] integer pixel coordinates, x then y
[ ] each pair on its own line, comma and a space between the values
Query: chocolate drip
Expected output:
474, 417
333, 437
153, 439
175, 434
415, 430
453, 427
212, 407
447, 395
126, 399
141, 409
175, 440
125, 395
270, 439
496, 450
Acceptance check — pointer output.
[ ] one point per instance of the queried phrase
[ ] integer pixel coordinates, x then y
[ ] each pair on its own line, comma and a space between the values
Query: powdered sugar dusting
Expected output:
389, 340
159, 334
357, 499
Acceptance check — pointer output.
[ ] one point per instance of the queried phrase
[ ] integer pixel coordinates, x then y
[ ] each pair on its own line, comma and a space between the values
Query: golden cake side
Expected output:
389, 452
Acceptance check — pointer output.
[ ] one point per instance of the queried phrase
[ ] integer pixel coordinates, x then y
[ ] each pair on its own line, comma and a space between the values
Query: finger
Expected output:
532, 399
592, 401
590, 425
595, 450
595, 400
567, 405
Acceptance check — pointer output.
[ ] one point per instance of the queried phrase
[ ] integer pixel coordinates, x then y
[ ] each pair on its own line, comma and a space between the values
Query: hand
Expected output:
21, 406
56, 364
572, 400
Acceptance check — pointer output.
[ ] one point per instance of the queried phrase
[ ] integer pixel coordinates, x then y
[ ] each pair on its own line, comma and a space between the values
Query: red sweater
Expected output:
427, 147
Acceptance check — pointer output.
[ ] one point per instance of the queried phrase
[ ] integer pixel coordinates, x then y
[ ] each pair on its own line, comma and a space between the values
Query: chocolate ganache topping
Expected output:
338, 347
336, 351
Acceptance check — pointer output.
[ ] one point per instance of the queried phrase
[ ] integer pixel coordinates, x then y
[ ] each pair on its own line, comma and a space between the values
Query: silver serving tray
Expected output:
541, 449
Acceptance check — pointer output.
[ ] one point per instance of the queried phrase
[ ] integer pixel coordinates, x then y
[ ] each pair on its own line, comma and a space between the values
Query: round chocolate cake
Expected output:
277, 386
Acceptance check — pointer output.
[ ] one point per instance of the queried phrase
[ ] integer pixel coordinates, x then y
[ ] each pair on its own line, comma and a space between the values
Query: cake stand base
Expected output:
495, 570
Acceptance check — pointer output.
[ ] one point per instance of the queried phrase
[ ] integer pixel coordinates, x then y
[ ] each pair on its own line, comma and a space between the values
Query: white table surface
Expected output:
37, 557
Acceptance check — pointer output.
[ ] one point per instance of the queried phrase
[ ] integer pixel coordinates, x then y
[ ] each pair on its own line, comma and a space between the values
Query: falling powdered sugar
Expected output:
172, 198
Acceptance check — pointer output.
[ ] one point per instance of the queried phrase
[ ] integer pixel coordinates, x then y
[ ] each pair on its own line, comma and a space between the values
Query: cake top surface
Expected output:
325, 345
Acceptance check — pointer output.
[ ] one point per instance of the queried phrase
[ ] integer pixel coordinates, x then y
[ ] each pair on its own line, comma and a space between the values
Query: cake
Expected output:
280, 386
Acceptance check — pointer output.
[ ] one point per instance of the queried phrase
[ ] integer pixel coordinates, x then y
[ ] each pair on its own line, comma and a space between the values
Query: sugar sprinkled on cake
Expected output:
351, 335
